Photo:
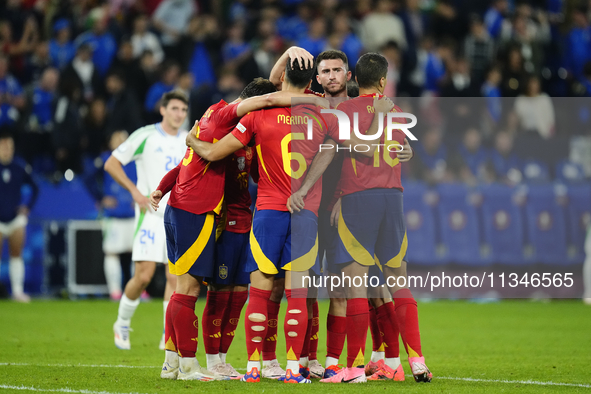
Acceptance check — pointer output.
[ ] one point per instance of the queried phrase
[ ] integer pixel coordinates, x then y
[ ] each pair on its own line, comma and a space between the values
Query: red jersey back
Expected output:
237, 195
285, 148
382, 170
200, 184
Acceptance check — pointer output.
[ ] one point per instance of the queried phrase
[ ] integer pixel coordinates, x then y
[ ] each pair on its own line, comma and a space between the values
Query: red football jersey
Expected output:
285, 148
239, 215
200, 184
382, 170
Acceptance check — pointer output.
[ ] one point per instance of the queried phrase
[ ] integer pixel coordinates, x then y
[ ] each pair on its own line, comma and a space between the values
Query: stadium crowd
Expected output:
73, 72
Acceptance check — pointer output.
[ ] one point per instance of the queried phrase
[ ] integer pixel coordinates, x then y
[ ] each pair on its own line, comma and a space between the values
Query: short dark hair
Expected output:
352, 89
5, 135
333, 54
370, 68
257, 87
173, 95
296, 75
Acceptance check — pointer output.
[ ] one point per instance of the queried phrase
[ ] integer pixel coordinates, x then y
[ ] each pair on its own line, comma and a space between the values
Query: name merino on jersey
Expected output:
155, 153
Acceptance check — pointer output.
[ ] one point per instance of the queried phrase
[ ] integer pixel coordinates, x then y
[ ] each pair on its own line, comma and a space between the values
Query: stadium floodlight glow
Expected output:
345, 125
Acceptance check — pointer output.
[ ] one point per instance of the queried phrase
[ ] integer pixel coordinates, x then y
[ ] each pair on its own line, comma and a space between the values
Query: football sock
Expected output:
386, 319
212, 360
408, 321
255, 325
393, 362
16, 271
211, 322
186, 324
336, 330
357, 322
376, 335
295, 325
231, 319
223, 357
266, 363
127, 308
270, 344
314, 332
165, 307
112, 268
306, 345
169, 334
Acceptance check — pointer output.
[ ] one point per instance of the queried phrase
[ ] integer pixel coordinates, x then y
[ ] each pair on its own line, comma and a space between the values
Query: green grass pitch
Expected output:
511, 346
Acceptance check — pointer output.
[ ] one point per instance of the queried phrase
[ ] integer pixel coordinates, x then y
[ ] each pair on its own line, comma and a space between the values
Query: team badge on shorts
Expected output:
223, 272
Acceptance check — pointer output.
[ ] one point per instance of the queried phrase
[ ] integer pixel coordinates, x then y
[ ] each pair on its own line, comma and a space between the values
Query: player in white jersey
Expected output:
156, 149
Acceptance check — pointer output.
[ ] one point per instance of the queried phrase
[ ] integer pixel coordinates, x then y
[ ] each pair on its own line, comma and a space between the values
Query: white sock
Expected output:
304, 361
266, 363
212, 359
126, 310
253, 364
16, 271
393, 362
294, 365
331, 361
223, 357
171, 357
165, 305
112, 267
377, 356
188, 364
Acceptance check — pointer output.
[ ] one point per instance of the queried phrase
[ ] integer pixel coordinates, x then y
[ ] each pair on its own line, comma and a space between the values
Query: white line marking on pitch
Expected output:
64, 390
533, 382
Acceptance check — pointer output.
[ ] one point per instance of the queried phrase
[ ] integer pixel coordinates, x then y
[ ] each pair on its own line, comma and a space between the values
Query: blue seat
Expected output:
578, 213
459, 225
546, 227
502, 224
570, 172
535, 172
420, 225
64, 201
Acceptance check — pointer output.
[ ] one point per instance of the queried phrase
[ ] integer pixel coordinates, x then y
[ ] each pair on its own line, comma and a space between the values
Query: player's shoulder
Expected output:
144, 131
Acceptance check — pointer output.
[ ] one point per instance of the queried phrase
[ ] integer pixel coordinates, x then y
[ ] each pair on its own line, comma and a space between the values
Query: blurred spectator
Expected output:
436, 66
291, 28
460, 83
143, 39
83, 72
415, 23
202, 45
61, 48
529, 38
504, 160
315, 40
237, 54
513, 73
495, 16
186, 84
171, 19
17, 49
391, 52
381, 26
123, 110
266, 45
534, 109
344, 39
447, 22
37, 62
491, 90
95, 127
479, 49
12, 99
102, 42
577, 50
431, 157
474, 155
127, 65
146, 76
39, 126
169, 78
68, 130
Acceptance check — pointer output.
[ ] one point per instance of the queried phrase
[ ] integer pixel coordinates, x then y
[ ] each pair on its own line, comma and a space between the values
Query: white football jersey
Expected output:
155, 153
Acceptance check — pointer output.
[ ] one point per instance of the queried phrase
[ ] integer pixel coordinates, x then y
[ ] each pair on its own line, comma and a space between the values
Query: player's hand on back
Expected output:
305, 57
382, 105
334, 215
155, 198
406, 153
295, 202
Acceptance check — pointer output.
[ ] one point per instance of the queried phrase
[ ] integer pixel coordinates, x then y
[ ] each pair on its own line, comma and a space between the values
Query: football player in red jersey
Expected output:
189, 208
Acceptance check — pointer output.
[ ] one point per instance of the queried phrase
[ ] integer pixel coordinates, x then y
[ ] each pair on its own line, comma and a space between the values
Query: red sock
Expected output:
185, 323
357, 322
386, 320
307, 339
295, 324
211, 322
314, 332
408, 322
231, 319
270, 345
169, 334
376, 335
336, 331
255, 323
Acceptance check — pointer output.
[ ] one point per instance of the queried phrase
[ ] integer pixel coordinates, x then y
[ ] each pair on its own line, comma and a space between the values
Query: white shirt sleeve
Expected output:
132, 148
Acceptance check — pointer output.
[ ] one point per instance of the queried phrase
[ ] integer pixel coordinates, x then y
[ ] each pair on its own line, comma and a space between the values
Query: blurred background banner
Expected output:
501, 90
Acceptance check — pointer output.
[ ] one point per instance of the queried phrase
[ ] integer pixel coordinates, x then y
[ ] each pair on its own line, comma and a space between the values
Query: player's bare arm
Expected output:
323, 158
292, 53
115, 169
214, 152
278, 99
